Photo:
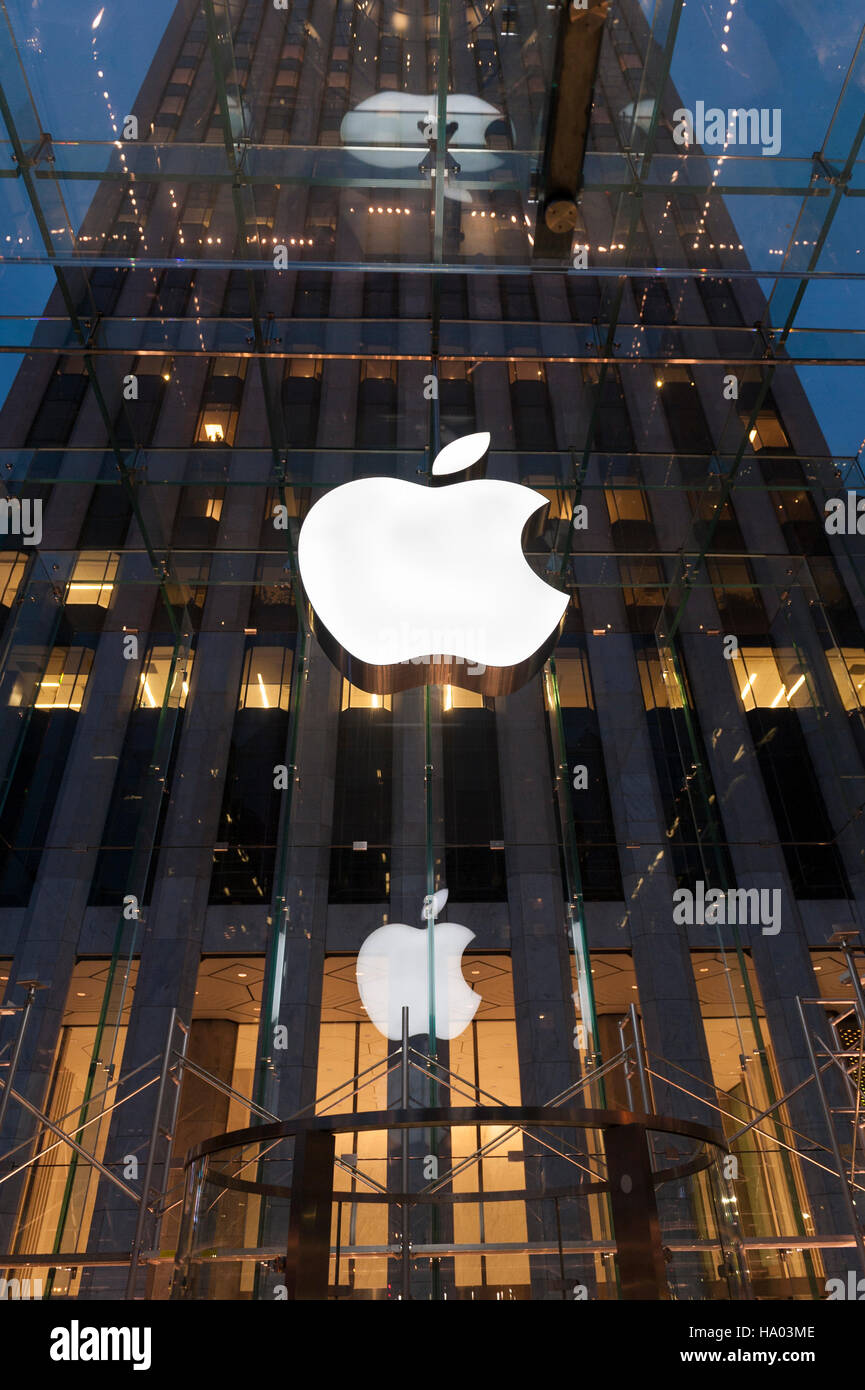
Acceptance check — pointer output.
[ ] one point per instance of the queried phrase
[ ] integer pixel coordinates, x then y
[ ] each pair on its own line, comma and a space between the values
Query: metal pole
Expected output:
151, 1156
172, 1130
13, 1065
406, 1215
833, 1138
645, 1090
627, 1062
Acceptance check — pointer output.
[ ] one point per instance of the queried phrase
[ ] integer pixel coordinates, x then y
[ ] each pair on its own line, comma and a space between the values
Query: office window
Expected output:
456, 401
266, 679
58, 409
530, 407
474, 853
301, 401
740, 606
590, 805
772, 685
244, 856
39, 768
220, 405
60, 1190
376, 424
92, 579
693, 828
164, 674
644, 592
139, 803
685, 417
362, 802
12, 567
613, 431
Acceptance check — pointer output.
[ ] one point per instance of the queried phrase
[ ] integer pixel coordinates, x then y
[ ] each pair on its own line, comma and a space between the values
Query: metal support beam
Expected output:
307, 1266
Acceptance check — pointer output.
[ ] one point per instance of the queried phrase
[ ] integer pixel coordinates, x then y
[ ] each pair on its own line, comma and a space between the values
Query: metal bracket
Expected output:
822, 170
44, 149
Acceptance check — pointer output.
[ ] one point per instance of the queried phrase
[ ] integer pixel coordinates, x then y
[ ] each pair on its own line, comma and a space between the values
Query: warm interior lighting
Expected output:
264, 698
213, 433
793, 688
747, 686
778, 698
449, 697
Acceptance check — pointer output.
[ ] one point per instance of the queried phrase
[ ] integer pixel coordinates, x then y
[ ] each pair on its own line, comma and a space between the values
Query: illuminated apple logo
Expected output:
411, 585
378, 130
393, 973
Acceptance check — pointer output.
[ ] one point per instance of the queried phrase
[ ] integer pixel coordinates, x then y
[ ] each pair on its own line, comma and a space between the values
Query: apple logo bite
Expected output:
393, 973
411, 585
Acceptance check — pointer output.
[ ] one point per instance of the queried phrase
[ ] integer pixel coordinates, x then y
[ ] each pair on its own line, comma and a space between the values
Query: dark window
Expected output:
813, 862
474, 867
59, 408
530, 408
376, 423
245, 856
613, 433
301, 400
590, 807
133, 802
685, 418
694, 830
363, 791
719, 302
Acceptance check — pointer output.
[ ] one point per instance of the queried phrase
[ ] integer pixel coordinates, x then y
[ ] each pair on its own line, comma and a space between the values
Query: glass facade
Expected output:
271, 250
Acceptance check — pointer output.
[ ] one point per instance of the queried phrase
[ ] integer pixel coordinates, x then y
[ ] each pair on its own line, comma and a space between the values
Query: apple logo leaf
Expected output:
461, 454
433, 904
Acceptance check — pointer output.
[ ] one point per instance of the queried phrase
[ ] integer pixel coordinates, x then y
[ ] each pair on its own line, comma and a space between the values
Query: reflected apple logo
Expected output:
411, 585
382, 130
393, 974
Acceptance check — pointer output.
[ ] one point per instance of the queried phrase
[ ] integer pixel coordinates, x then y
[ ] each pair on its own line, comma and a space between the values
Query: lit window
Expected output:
454, 697
767, 433
658, 682
626, 504
92, 579
354, 698
848, 672
163, 670
768, 679
266, 680
572, 679
12, 567
65, 678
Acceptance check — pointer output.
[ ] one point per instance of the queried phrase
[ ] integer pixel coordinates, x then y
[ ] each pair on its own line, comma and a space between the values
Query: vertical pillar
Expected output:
639, 1253
308, 1252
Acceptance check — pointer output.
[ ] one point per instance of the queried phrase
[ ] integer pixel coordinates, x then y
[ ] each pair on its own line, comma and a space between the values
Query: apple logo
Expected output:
393, 973
386, 130
411, 585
